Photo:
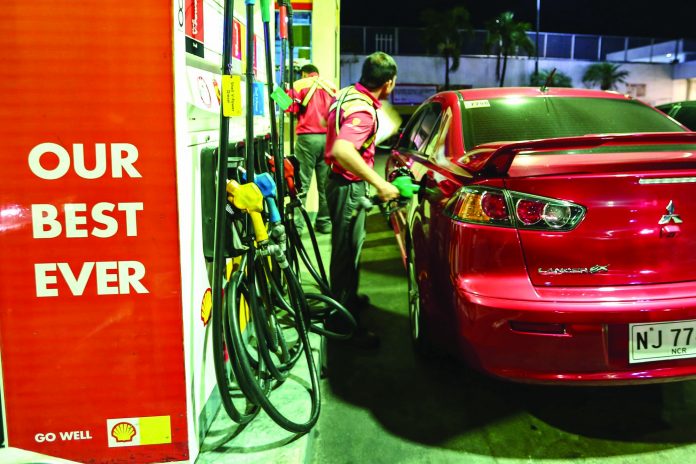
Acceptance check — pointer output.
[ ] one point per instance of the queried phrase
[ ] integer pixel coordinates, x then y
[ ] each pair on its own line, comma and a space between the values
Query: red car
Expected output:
553, 239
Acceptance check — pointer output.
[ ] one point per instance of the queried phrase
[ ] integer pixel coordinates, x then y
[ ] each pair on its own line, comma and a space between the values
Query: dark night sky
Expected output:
663, 18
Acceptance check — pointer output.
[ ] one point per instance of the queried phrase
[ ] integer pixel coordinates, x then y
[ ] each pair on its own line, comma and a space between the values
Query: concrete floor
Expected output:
392, 407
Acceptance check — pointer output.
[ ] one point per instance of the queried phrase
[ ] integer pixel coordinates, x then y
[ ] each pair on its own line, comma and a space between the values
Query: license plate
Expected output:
661, 341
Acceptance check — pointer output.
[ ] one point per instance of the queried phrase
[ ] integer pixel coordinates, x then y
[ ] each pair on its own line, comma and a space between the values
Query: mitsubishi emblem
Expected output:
670, 216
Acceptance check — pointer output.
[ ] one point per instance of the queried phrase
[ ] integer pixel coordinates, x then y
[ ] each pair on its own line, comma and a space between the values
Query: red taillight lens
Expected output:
529, 211
494, 205
489, 205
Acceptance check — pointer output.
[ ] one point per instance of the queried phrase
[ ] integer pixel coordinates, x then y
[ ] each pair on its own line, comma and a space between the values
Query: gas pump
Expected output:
261, 316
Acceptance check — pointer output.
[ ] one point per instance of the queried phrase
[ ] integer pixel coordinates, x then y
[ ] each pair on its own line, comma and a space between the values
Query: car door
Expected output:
430, 158
429, 227
413, 139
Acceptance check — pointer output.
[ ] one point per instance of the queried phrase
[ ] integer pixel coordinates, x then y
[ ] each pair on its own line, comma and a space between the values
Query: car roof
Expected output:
503, 92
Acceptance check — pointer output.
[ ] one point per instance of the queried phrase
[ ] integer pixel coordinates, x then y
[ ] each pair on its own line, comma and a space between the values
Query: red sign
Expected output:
194, 19
193, 27
90, 299
236, 39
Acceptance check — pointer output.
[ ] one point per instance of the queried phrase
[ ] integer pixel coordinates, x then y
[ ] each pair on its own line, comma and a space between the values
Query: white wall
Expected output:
684, 89
480, 72
326, 38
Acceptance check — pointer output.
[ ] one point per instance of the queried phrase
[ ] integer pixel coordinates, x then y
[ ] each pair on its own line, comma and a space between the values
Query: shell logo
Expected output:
138, 431
206, 306
123, 432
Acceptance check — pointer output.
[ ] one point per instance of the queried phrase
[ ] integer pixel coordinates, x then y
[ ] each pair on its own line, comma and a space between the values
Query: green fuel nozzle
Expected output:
405, 186
265, 11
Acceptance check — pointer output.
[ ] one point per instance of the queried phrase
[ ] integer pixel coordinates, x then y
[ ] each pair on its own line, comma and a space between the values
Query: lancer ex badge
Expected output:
670, 216
597, 268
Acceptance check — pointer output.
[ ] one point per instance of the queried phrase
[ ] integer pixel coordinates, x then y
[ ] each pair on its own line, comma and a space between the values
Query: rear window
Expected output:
530, 118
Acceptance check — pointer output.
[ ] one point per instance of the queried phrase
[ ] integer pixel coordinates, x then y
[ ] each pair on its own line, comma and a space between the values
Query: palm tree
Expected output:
606, 75
445, 33
559, 79
507, 37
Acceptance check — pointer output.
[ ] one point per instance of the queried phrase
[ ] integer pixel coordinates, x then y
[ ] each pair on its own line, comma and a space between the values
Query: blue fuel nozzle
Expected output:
267, 185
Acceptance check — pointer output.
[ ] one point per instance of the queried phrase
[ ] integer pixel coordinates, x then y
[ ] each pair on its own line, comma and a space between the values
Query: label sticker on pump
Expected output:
231, 95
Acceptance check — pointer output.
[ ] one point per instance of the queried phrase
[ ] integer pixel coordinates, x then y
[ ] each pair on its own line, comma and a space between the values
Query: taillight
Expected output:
557, 216
480, 205
529, 211
500, 207
494, 205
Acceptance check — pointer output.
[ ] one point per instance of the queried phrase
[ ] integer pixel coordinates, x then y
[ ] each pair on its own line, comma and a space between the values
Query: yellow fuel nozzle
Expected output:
249, 198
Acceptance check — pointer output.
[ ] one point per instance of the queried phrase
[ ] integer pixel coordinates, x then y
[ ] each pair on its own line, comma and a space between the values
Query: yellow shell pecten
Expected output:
123, 431
206, 306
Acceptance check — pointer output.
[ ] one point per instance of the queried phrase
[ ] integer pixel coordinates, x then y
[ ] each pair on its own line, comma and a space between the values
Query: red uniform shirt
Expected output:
355, 127
311, 119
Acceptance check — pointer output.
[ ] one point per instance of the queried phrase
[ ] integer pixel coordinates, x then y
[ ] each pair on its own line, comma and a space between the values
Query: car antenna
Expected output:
548, 81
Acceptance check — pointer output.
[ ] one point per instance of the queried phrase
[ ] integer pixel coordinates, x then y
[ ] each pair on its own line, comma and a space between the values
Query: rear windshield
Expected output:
530, 118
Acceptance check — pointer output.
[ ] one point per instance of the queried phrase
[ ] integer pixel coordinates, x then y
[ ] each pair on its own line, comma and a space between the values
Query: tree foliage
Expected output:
445, 33
559, 79
507, 37
606, 75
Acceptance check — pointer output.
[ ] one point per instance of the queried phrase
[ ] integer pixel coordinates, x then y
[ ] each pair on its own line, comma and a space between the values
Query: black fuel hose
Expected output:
224, 370
248, 378
331, 306
266, 326
301, 252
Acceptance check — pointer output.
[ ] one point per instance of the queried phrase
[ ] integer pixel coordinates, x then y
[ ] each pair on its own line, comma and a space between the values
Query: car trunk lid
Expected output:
639, 225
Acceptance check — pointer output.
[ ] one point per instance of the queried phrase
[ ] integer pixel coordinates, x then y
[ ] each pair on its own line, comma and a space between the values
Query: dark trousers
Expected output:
347, 237
309, 149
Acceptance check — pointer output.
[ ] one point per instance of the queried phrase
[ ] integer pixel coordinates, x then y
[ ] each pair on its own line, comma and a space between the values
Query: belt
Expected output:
337, 176
339, 179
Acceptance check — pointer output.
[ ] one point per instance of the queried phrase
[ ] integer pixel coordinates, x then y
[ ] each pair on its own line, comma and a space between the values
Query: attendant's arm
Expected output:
349, 158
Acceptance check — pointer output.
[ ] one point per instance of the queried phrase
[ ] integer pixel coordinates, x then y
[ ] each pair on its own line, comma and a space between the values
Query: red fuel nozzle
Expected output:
288, 174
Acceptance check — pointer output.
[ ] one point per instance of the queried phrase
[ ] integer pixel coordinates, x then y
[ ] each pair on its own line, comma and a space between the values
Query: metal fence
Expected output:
409, 41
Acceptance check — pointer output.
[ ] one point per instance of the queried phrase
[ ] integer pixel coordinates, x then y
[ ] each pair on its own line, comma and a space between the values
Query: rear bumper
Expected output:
592, 350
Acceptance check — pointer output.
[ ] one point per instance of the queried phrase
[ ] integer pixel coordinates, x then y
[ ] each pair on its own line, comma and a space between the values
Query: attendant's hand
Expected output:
386, 191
